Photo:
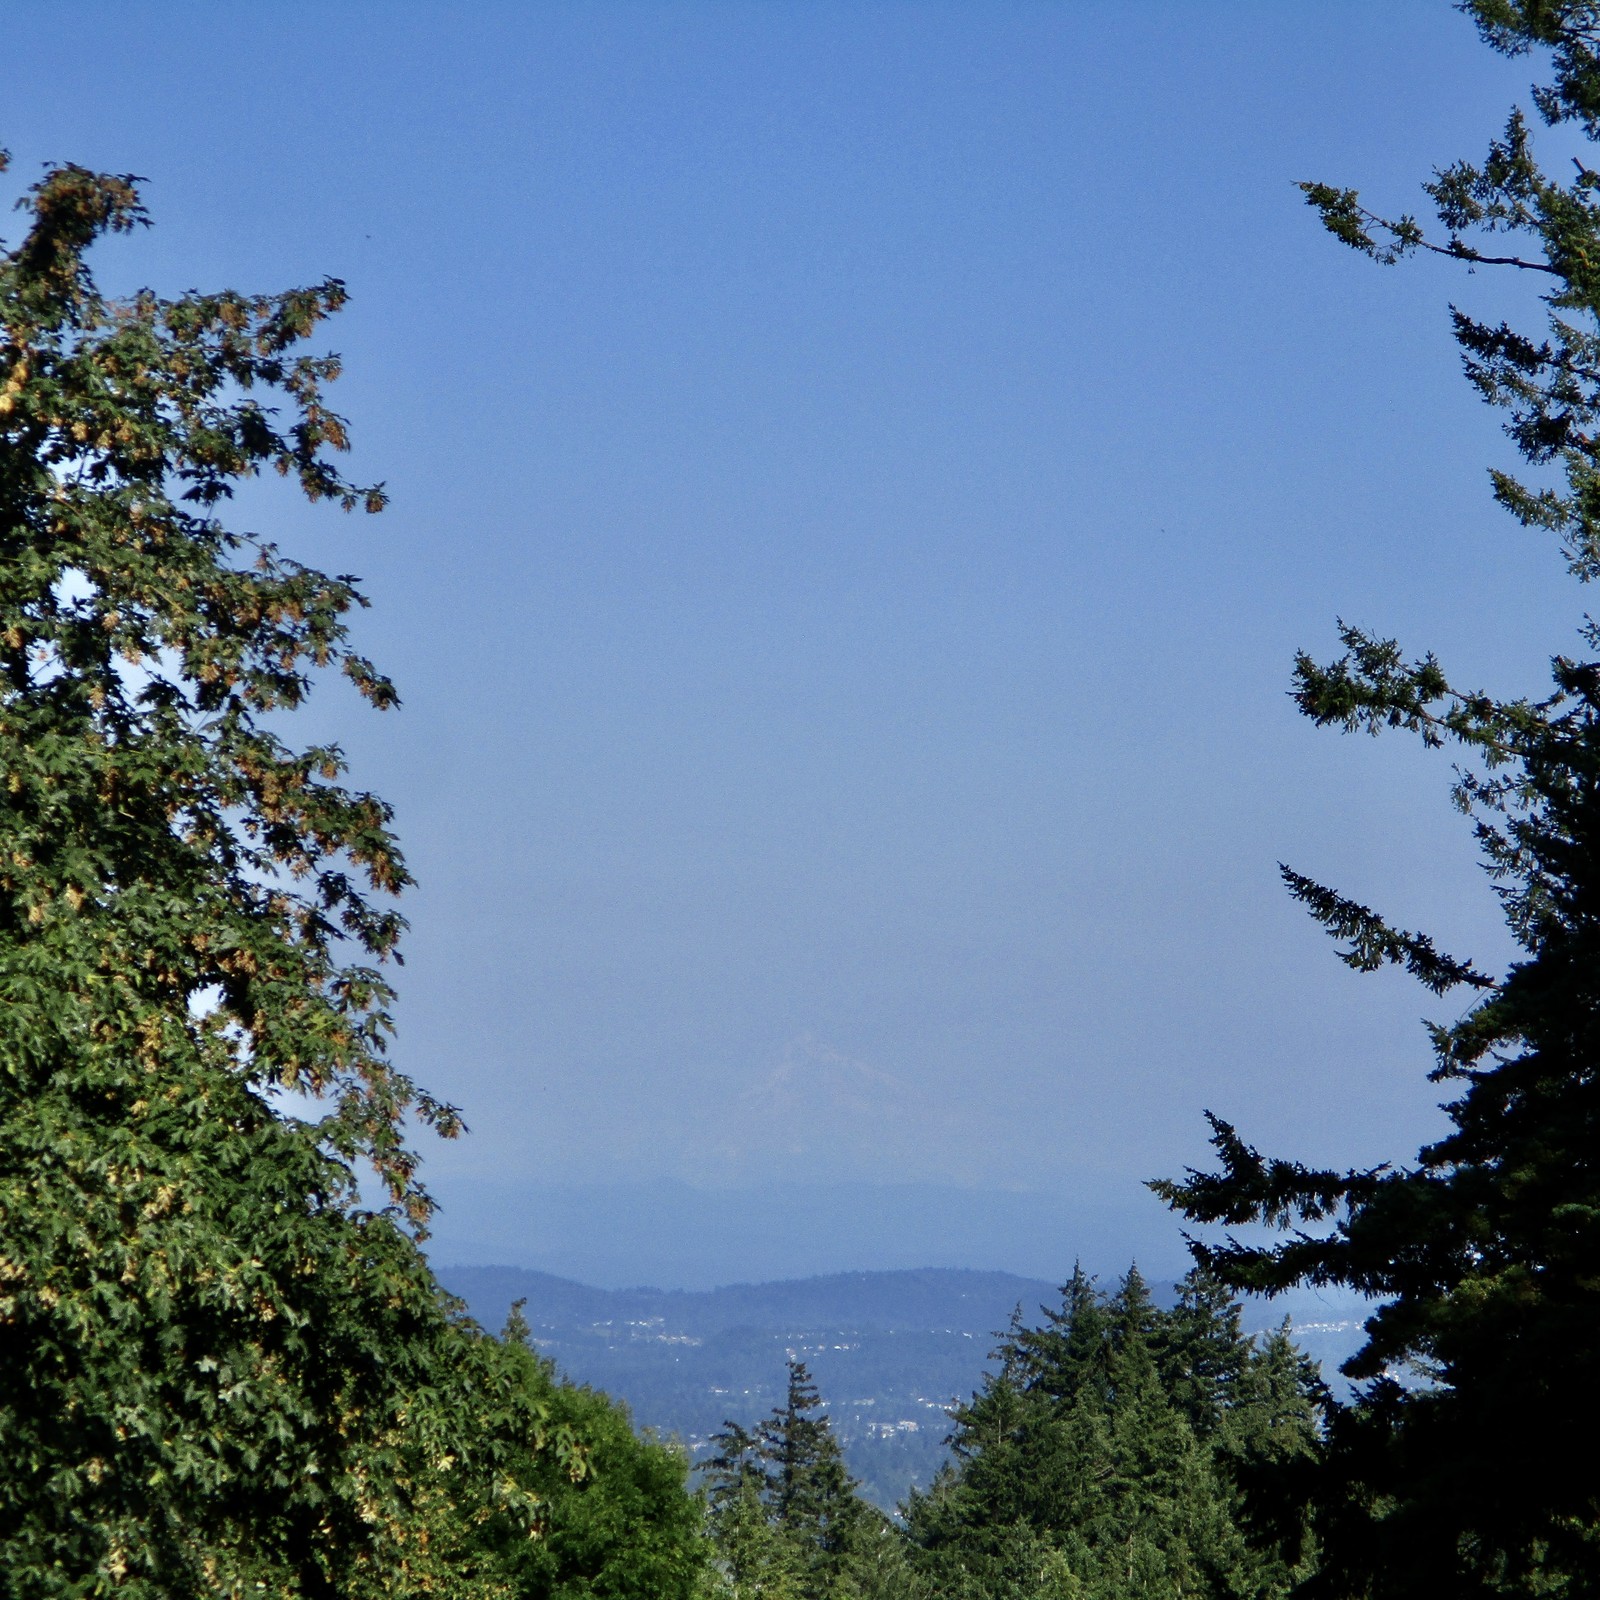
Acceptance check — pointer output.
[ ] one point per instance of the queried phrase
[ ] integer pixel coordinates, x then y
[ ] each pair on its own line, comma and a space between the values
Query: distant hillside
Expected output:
935, 1297
890, 1351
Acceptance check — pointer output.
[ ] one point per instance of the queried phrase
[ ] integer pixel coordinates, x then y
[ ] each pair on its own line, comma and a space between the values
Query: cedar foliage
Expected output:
220, 1373
1476, 1477
1102, 1458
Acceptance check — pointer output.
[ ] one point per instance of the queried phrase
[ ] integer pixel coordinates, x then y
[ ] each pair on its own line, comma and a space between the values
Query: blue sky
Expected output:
860, 474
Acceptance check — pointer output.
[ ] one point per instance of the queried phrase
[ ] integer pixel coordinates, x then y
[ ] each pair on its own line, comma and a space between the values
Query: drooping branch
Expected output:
1374, 944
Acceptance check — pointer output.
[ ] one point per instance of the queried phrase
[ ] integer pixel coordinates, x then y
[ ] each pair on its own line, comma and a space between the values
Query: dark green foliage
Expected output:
755, 1556
220, 1374
1473, 1477
784, 1511
813, 1498
616, 1519
1102, 1456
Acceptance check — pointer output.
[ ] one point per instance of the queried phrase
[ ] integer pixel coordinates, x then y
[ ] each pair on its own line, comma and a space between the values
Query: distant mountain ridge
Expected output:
667, 1231
890, 1351
920, 1299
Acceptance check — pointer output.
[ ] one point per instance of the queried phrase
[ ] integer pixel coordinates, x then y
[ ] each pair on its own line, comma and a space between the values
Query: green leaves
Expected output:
1351, 223
1566, 28
140, 652
220, 1373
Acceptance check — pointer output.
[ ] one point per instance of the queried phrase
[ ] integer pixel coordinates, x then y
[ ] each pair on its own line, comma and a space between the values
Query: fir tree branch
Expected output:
1251, 1189
1353, 224
1373, 943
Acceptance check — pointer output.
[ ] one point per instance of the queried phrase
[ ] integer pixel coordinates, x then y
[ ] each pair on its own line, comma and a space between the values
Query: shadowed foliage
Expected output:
1461, 1466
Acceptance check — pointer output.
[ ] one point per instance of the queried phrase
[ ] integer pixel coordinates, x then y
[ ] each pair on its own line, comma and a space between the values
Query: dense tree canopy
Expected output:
624, 1526
1464, 1467
1103, 1455
220, 1373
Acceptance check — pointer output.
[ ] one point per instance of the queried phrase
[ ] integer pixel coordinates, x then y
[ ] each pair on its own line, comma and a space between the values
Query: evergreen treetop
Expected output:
1102, 1456
784, 1510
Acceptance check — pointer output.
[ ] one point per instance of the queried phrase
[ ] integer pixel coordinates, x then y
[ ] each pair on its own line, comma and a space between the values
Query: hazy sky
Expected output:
860, 473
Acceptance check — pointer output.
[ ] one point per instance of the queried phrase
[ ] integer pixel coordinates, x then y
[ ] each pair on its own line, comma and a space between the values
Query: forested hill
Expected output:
890, 1351
934, 1297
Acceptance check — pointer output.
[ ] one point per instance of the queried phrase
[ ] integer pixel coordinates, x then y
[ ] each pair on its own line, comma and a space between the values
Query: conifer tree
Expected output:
220, 1373
814, 1502
1078, 1470
1203, 1352
992, 1486
1167, 1526
785, 1513
756, 1561
1474, 1477
1071, 1348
